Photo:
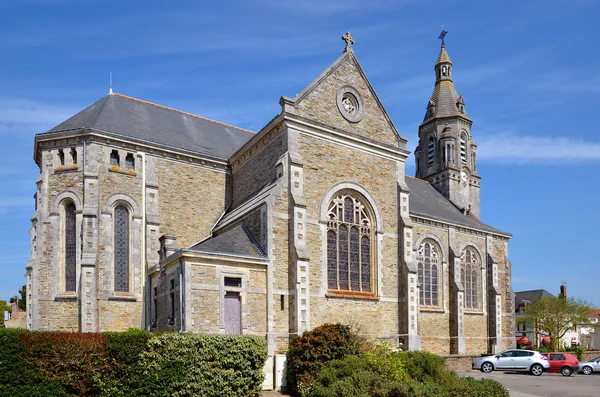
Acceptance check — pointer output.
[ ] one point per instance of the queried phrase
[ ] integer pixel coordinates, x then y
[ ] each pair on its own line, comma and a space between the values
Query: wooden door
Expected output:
233, 313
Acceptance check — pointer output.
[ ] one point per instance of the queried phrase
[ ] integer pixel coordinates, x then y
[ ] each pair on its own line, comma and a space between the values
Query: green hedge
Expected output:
133, 363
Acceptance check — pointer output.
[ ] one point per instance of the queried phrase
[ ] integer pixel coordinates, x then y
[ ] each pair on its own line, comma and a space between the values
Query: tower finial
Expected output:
110, 91
349, 41
442, 35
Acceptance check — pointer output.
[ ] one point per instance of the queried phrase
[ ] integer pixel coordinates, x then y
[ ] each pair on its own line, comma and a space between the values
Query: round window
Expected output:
350, 103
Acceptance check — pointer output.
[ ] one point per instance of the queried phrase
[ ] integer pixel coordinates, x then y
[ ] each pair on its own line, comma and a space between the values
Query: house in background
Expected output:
522, 299
582, 336
17, 319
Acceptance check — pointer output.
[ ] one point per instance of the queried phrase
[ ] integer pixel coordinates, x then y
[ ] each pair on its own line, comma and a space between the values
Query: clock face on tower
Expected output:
464, 176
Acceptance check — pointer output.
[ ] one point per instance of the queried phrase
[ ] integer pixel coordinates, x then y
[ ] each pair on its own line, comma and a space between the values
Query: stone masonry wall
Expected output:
326, 164
191, 200
258, 169
321, 105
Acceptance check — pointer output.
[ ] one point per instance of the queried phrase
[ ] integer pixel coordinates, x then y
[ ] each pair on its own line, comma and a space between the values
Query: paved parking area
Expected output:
546, 385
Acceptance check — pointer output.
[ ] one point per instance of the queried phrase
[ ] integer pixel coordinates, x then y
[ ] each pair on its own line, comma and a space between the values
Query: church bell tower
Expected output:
446, 154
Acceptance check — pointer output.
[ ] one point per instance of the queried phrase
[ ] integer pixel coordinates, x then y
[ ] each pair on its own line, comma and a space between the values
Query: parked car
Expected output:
513, 360
588, 367
564, 363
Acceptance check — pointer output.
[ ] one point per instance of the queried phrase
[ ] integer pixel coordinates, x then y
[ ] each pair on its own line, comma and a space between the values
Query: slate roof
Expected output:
133, 118
444, 94
531, 296
443, 57
236, 241
427, 202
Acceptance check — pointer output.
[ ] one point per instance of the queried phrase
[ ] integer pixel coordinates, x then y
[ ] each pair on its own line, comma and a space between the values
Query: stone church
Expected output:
151, 217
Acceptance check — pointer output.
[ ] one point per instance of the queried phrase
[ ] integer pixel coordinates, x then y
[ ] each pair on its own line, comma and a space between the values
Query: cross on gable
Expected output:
349, 41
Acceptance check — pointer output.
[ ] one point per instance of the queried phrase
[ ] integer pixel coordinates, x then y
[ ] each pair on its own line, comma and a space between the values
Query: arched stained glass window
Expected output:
349, 244
428, 259
70, 249
121, 249
469, 275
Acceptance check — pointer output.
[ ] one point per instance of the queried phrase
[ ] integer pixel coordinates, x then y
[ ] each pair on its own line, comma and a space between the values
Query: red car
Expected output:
564, 363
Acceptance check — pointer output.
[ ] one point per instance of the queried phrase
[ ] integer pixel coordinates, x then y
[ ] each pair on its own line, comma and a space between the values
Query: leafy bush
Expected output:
354, 376
199, 365
388, 364
425, 367
309, 353
577, 350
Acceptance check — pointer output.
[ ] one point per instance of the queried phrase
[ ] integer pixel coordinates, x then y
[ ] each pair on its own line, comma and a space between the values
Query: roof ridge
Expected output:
418, 179
181, 111
252, 239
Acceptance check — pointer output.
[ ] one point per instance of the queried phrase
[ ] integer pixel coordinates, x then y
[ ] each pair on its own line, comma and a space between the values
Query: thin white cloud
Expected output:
509, 148
14, 204
333, 6
26, 112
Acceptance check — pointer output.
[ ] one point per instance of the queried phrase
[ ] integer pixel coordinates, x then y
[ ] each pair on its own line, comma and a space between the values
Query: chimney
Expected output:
168, 246
563, 291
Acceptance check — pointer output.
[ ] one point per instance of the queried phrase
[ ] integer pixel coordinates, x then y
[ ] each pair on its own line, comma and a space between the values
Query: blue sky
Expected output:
528, 71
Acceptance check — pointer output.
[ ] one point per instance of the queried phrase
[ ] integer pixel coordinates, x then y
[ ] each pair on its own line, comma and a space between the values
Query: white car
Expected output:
513, 360
588, 367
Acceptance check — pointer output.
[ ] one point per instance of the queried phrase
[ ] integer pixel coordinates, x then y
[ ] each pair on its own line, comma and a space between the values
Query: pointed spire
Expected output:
443, 57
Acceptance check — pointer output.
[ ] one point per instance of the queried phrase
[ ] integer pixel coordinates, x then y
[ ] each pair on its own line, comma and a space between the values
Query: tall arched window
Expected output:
121, 249
428, 265
430, 150
349, 244
70, 251
469, 275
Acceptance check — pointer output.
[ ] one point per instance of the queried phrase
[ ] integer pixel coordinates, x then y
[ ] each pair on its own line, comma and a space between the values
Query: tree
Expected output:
556, 316
22, 300
3, 307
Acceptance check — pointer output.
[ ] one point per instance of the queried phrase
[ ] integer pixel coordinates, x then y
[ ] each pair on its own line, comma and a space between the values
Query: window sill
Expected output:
351, 294
431, 309
122, 298
124, 171
473, 312
66, 298
62, 169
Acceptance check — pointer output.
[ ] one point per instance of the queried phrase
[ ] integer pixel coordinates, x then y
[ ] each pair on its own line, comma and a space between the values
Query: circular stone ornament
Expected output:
350, 103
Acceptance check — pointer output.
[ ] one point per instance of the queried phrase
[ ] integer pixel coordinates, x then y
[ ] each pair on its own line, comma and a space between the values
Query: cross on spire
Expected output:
442, 35
349, 41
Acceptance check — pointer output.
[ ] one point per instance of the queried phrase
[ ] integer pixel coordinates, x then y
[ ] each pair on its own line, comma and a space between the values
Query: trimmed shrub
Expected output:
124, 351
17, 377
469, 387
72, 359
309, 353
199, 365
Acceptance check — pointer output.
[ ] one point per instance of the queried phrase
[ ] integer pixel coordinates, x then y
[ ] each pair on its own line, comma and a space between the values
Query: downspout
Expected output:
180, 295
145, 314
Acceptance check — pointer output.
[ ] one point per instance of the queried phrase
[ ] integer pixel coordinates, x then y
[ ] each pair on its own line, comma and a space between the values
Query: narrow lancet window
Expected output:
121, 249
70, 249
